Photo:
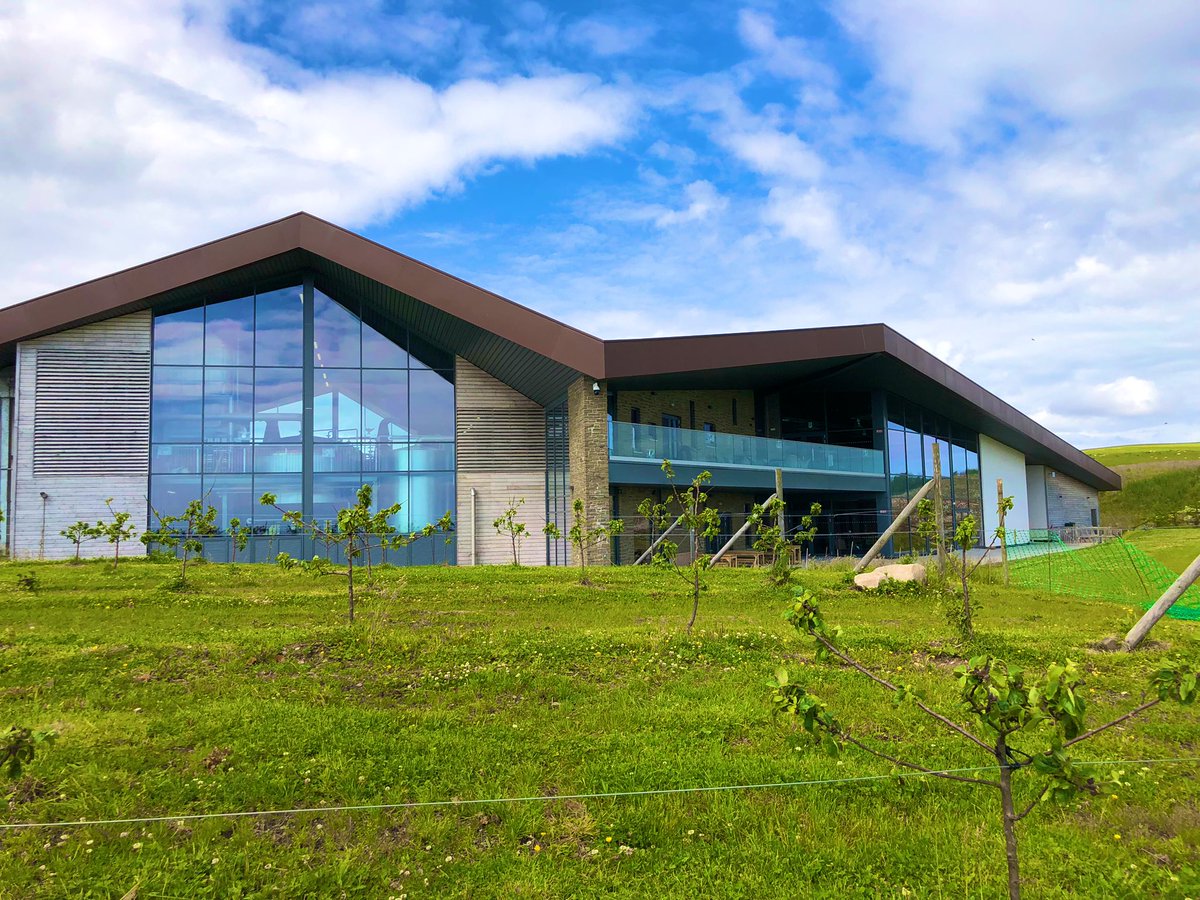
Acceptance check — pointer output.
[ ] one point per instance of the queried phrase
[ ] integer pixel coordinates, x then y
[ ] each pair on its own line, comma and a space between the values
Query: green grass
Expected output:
1157, 480
251, 692
1175, 548
1132, 454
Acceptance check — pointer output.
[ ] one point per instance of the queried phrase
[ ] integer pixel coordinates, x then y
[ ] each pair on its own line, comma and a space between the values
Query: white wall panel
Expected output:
998, 460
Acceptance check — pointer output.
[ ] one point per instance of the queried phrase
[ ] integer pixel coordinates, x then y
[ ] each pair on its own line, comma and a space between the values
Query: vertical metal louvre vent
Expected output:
91, 413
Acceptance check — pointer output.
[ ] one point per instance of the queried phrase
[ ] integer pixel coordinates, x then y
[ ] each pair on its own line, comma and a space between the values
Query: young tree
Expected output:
1008, 706
184, 531
965, 535
774, 541
583, 538
78, 533
690, 512
239, 536
116, 531
516, 531
351, 532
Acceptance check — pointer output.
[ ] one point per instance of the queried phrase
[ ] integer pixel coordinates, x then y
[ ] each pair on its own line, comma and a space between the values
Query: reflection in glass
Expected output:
289, 493
432, 496
389, 489
337, 412
278, 458
175, 459
380, 352
431, 416
175, 409
335, 334
334, 492
232, 496
279, 328
231, 421
278, 405
228, 403
427, 457
229, 333
228, 457
179, 338
385, 404
337, 457
170, 494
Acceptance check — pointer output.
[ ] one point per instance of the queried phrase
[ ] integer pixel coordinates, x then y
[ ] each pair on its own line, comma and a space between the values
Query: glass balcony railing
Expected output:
654, 443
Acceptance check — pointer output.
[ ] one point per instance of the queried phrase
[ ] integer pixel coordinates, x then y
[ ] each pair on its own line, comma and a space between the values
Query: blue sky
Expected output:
1016, 186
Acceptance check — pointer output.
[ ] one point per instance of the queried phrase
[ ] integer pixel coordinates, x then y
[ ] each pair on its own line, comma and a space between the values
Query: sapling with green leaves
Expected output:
118, 530
584, 537
773, 540
965, 536
352, 532
689, 511
507, 524
79, 532
19, 745
1021, 723
239, 537
184, 532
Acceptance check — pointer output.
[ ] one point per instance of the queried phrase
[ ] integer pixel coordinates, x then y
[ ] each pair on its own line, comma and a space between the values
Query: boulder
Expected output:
870, 580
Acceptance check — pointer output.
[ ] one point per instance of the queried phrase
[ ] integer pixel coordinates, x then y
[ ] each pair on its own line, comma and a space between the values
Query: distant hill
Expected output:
1159, 481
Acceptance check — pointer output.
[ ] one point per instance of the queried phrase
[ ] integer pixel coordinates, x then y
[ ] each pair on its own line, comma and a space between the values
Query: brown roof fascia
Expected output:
698, 353
502, 317
65, 308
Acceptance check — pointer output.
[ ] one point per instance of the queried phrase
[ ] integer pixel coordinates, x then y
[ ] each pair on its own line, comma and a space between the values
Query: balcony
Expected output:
737, 460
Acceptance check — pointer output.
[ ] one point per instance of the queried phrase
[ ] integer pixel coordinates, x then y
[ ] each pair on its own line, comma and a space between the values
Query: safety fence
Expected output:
1099, 568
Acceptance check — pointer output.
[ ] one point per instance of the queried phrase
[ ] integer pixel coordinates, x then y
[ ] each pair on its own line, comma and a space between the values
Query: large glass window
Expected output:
912, 432
229, 415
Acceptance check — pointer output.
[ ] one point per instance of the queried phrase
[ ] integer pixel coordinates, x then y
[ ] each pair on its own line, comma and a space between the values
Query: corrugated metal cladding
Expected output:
538, 378
496, 429
91, 412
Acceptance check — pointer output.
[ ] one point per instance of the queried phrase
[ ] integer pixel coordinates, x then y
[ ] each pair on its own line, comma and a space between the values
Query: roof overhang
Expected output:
532, 352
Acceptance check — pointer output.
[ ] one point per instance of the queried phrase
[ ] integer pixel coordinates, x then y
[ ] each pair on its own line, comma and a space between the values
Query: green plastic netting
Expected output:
1113, 570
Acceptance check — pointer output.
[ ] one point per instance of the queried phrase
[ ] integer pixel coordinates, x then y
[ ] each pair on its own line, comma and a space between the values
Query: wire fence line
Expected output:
543, 798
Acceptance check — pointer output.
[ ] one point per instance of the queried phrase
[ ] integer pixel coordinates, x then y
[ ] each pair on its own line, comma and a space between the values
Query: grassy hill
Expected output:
1159, 480
250, 692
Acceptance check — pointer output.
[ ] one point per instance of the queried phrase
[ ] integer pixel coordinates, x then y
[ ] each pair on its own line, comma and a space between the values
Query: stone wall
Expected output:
1068, 500
587, 439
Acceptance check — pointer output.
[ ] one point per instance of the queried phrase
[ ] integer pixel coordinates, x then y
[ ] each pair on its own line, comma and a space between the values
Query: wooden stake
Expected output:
891, 529
1139, 631
938, 509
1003, 533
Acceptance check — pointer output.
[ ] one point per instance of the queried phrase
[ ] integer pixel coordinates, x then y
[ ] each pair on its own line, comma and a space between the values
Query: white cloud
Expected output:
1128, 396
812, 217
787, 57
772, 152
140, 129
605, 37
949, 63
703, 201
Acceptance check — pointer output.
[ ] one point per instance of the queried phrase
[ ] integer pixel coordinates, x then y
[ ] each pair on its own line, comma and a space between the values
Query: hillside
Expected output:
1160, 480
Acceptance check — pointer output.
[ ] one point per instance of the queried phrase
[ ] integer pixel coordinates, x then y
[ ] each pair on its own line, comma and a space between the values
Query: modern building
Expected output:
304, 360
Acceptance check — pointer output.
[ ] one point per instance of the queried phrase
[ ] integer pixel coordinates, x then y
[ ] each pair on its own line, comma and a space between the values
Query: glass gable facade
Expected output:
911, 434
292, 392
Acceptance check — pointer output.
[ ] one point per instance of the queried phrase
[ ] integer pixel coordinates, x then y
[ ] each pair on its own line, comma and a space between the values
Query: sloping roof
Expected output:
517, 339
